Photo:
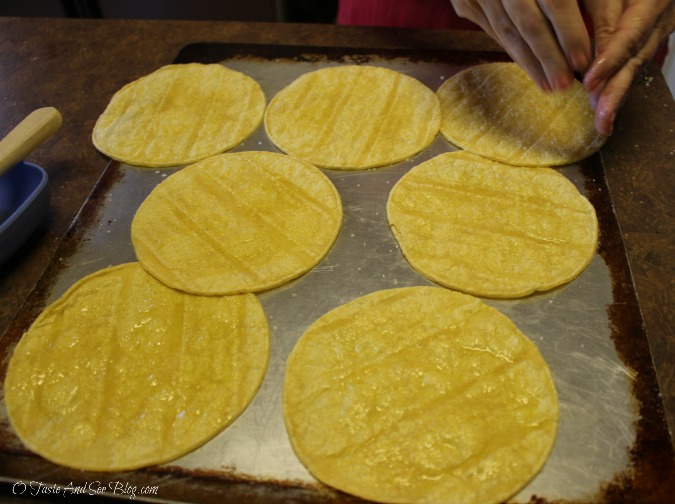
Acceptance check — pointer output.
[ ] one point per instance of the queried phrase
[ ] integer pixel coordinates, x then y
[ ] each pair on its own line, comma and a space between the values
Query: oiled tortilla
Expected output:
237, 222
122, 372
496, 111
420, 395
492, 229
179, 114
353, 117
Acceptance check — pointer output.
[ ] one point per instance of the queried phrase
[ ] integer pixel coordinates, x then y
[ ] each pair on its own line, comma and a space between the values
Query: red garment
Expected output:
402, 13
421, 14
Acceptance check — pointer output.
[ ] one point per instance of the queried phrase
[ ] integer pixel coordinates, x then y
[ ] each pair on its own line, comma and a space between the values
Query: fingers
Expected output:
638, 32
608, 99
493, 17
512, 32
570, 30
605, 16
494, 20
608, 95
625, 42
535, 36
547, 38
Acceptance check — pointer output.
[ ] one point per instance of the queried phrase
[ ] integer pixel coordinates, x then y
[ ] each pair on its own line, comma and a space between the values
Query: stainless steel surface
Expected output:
569, 324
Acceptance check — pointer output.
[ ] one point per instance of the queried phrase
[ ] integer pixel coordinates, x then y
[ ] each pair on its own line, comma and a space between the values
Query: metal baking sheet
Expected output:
571, 325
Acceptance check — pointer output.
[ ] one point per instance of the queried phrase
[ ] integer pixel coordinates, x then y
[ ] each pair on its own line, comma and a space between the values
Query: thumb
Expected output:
634, 35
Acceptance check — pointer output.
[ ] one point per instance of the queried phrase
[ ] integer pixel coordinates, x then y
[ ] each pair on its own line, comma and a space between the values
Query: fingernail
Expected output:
606, 129
610, 125
544, 85
562, 81
580, 61
593, 97
605, 123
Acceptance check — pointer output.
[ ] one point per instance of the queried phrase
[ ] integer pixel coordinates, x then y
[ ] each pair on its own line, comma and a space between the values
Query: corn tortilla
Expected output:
122, 372
353, 117
496, 111
237, 222
492, 229
179, 114
420, 395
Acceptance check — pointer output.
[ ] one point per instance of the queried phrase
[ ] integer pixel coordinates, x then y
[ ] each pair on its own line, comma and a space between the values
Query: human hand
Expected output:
547, 38
627, 35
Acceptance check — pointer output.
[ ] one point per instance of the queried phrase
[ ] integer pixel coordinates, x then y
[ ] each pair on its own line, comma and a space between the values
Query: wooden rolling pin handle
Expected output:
28, 135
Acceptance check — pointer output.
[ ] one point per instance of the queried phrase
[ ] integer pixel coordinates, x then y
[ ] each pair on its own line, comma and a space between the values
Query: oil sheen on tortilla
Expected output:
179, 114
496, 111
492, 229
353, 117
122, 372
420, 395
237, 222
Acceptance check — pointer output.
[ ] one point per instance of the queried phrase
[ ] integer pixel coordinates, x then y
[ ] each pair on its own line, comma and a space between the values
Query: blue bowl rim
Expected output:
29, 200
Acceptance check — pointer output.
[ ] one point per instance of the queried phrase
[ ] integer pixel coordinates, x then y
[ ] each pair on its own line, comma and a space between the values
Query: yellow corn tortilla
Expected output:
420, 395
122, 372
237, 222
491, 229
496, 111
179, 114
353, 117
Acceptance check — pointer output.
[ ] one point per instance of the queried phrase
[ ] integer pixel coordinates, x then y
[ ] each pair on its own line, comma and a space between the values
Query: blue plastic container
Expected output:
24, 201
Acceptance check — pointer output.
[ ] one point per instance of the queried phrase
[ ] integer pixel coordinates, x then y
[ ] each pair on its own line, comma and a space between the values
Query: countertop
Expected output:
76, 65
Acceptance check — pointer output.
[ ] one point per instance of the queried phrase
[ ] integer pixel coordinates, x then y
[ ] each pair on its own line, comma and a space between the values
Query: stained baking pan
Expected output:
613, 440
